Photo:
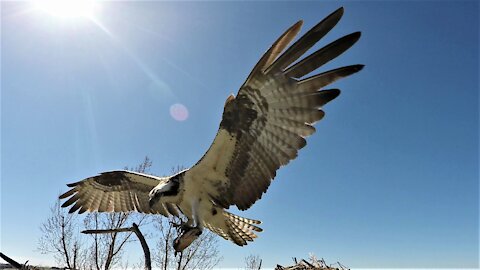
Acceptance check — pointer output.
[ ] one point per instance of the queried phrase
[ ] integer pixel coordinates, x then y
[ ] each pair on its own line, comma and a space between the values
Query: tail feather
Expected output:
240, 229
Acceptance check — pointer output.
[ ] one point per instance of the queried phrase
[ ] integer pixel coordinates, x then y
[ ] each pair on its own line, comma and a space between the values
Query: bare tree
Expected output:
102, 251
134, 229
165, 243
106, 249
253, 262
60, 237
203, 253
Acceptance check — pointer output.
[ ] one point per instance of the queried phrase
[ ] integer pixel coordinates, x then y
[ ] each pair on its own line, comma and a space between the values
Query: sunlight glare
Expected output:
68, 8
179, 112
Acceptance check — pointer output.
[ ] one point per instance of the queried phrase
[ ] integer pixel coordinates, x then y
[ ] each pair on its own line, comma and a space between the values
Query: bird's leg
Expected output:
191, 221
189, 231
195, 219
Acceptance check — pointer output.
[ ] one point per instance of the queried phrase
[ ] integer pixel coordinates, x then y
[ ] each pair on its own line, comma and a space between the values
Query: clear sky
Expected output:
390, 179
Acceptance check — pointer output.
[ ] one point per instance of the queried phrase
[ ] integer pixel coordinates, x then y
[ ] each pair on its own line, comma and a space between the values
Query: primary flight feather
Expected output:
262, 128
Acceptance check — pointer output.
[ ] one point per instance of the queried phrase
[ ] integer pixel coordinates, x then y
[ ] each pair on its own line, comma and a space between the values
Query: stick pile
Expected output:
315, 264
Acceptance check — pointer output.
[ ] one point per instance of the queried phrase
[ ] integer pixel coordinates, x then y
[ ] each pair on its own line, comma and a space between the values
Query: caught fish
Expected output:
186, 237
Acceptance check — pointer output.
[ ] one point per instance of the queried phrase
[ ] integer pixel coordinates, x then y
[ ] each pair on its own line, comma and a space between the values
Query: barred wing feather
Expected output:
115, 191
265, 125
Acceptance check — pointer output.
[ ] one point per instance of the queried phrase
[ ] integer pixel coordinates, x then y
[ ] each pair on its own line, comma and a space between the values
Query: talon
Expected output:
176, 225
181, 227
184, 227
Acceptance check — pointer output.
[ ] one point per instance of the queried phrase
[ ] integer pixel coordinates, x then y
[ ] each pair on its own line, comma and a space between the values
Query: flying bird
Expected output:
262, 128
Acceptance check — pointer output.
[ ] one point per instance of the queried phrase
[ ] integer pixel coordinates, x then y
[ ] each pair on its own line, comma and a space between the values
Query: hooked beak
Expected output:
154, 197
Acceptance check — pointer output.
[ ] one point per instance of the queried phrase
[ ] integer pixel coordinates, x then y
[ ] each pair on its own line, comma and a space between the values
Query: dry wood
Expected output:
314, 265
14, 263
138, 233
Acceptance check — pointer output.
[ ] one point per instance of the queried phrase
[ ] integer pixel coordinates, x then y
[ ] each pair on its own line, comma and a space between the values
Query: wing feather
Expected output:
322, 56
75, 207
305, 115
302, 129
306, 100
82, 210
323, 79
266, 124
280, 44
306, 41
116, 191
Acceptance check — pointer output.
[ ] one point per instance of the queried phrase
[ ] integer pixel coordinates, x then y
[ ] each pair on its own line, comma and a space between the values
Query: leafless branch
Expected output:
253, 262
14, 263
138, 233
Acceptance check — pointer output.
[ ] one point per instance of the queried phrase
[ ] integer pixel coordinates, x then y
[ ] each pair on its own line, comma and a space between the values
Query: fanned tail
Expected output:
241, 229
237, 229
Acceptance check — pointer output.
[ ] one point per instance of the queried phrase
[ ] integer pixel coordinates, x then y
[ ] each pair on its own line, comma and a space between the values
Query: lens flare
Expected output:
179, 112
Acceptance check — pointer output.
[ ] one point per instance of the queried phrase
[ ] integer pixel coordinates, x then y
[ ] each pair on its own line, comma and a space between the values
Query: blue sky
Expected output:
390, 179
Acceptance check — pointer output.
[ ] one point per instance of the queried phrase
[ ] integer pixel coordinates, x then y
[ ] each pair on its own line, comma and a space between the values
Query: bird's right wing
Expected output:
266, 124
115, 191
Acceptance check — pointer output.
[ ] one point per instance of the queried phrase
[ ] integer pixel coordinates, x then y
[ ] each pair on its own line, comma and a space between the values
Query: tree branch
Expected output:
138, 233
146, 250
107, 231
14, 263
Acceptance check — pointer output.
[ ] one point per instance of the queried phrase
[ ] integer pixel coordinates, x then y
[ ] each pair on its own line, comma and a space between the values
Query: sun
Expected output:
67, 9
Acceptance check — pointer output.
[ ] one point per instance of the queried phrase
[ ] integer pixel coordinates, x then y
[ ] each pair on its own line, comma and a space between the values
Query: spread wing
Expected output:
116, 191
265, 125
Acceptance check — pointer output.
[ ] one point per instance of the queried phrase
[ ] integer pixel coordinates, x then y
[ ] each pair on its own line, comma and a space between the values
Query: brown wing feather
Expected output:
272, 114
116, 191
280, 44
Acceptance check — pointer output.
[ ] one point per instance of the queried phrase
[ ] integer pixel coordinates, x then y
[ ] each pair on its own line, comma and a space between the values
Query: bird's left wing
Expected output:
265, 125
115, 191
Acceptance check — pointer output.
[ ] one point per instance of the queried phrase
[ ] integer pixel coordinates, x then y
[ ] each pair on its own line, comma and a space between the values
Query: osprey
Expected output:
262, 129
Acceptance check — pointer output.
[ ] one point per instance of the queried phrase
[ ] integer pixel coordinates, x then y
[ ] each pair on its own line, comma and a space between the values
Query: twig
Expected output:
14, 263
107, 231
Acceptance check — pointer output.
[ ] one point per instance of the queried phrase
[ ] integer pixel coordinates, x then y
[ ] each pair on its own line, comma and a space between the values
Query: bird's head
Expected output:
163, 190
